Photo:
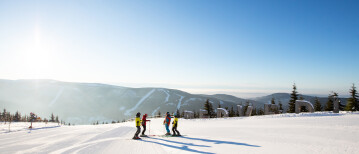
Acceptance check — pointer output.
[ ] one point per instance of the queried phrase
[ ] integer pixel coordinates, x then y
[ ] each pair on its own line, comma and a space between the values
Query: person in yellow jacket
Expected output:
174, 126
138, 125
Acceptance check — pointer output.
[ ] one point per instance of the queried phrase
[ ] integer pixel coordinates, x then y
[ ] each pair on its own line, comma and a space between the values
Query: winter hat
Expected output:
138, 114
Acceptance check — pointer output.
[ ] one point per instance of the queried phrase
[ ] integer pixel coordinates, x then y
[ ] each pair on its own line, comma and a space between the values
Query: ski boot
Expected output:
136, 138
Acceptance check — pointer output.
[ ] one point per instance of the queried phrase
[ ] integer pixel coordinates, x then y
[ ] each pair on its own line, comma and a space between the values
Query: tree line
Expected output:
351, 105
6, 116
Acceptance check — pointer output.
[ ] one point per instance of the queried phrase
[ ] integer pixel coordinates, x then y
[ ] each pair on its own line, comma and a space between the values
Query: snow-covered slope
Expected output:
86, 103
287, 133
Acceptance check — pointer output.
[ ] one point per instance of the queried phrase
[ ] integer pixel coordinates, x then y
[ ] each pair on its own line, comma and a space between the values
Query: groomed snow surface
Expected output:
286, 133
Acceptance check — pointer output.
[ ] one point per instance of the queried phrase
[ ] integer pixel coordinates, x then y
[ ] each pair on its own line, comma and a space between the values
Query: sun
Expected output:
36, 57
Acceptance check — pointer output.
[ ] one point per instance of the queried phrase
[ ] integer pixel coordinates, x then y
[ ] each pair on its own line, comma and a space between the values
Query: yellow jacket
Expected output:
175, 122
138, 121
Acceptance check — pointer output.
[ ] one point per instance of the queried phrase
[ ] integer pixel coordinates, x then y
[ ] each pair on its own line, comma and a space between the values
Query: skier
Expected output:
167, 122
174, 126
144, 125
138, 125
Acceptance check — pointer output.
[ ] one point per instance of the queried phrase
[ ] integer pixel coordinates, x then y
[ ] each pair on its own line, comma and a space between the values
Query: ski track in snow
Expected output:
57, 96
128, 112
154, 112
179, 102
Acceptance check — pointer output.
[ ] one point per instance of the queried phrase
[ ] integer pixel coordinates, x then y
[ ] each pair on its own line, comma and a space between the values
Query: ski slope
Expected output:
287, 133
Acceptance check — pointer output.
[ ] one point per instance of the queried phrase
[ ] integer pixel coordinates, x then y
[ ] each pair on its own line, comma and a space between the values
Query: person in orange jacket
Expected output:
167, 123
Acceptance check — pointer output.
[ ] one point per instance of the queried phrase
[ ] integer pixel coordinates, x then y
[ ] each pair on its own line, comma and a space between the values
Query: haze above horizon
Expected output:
232, 47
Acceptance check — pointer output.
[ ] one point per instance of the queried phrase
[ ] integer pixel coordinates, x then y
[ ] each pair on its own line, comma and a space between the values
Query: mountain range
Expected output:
85, 103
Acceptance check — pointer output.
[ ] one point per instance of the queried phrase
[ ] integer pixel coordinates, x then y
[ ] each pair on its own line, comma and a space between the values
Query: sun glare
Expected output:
36, 58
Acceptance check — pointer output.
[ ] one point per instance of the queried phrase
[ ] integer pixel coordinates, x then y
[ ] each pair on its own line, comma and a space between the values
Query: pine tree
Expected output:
336, 98
17, 116
330, 104
273, 100
280, 106
341, 106
254, 112
260, 111
178, 113
352, 102
231, 112
208, 106
293, 98
57, 119
159, 114
1, 116
4, 115
52, 118
245, 108
317, 105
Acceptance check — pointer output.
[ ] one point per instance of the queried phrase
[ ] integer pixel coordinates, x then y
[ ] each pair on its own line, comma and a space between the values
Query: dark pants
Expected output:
138, 131
175, 131
144, 129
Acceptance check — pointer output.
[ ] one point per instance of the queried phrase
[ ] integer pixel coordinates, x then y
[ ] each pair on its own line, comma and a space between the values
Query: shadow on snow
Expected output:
220, 142
187, 144
185, 148
42, 128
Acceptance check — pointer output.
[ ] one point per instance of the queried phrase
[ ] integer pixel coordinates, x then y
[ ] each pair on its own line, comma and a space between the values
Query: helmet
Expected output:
138, 114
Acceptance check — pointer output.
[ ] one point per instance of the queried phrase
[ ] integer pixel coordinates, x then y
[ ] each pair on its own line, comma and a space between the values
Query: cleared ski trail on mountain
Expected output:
287, 133
129, 111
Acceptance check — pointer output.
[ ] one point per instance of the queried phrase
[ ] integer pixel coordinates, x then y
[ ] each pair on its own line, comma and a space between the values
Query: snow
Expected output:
324, 132
155, 111
23, 126
179, 102
191, 99
57, 96
223, 110
306, 102
122, 108
128, 112
166, 92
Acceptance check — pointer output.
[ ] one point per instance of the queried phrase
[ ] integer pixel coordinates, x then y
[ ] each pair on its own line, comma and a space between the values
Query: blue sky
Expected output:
241, 47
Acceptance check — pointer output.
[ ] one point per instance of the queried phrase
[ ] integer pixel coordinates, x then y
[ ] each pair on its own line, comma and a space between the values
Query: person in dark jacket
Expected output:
174, 126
